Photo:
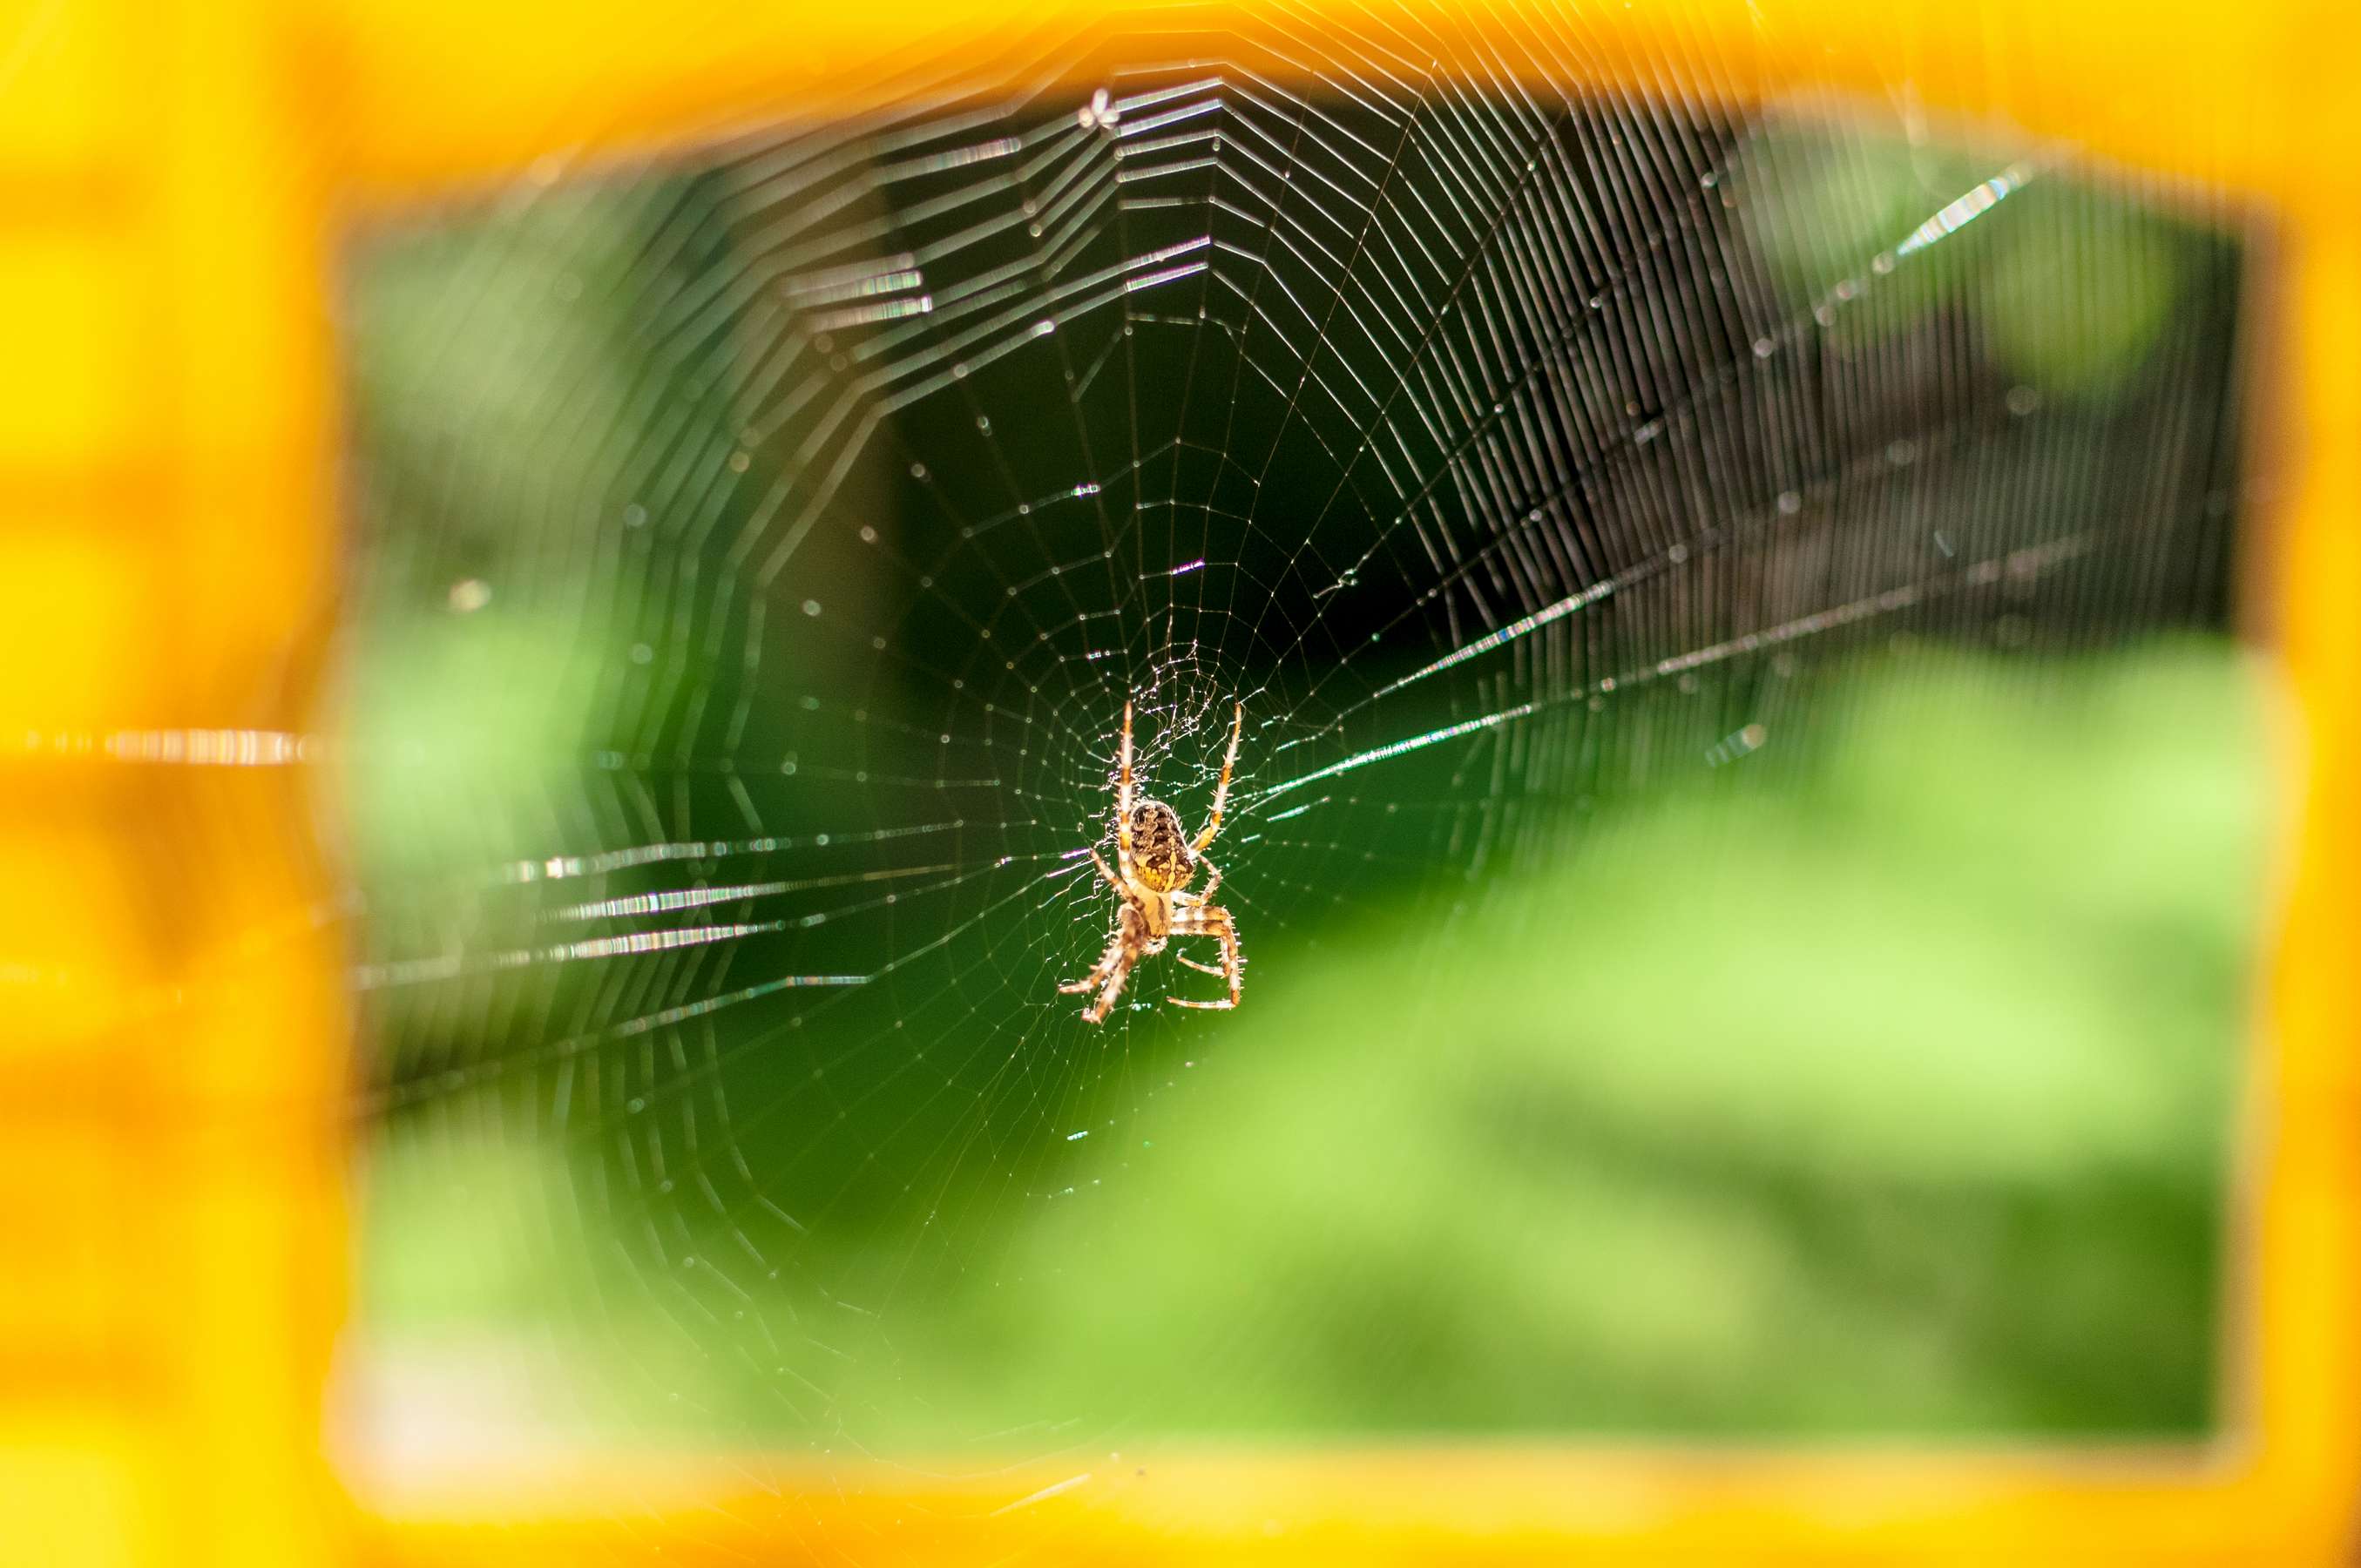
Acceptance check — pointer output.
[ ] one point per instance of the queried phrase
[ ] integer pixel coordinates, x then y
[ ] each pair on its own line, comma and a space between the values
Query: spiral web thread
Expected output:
1455, 425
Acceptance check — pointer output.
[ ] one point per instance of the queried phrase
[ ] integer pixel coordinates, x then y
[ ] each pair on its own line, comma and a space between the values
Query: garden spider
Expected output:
1157, 861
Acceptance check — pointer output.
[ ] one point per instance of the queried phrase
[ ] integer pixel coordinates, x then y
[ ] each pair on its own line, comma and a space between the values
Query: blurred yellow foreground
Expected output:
175, 1249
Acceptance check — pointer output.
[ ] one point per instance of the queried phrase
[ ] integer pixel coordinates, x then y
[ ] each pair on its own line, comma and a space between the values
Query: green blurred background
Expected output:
1851, 1045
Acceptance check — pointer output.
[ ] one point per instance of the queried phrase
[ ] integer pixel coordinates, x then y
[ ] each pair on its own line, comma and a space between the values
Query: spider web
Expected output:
758, 551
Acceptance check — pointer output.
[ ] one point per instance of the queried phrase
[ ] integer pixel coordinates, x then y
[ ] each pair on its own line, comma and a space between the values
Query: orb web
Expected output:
758, 549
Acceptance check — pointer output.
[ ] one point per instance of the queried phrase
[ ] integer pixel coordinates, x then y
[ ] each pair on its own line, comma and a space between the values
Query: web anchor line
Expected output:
2027, 563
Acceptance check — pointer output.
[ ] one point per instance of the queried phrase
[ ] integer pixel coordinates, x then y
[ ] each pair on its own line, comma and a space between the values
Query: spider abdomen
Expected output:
1159, 850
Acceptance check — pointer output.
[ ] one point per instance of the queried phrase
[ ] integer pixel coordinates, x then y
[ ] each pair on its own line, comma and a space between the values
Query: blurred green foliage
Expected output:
2071, 285
470, 725
1880, 1080
1890, 1093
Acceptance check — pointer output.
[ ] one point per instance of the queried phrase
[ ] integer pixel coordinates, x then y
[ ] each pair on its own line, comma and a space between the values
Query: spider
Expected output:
1157, 861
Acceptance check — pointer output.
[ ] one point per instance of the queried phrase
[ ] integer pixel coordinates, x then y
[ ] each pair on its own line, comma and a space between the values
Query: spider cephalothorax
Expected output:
1159, 860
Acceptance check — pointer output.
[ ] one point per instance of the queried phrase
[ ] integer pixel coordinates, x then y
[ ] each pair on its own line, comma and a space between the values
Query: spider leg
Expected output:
1115, 965
1222, 790
1123, 798
1122, 889
1097, 1011
1212, 922
1199, 899
1183, 903
1099, 972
